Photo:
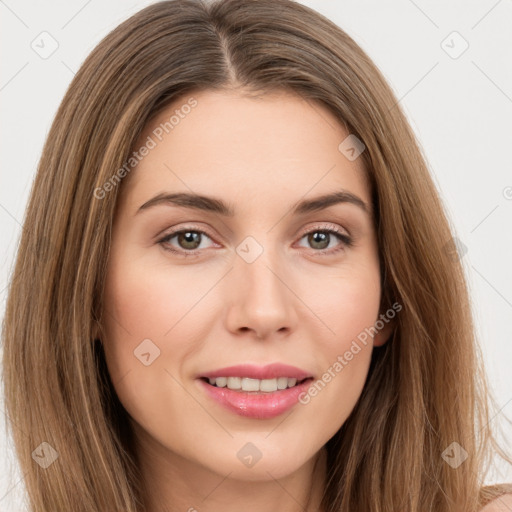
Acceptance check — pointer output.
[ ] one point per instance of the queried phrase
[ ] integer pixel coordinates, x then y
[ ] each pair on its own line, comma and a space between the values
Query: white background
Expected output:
460, 109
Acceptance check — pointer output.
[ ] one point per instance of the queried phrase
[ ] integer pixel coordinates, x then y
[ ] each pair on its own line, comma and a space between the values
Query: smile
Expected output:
256, 404
254, 385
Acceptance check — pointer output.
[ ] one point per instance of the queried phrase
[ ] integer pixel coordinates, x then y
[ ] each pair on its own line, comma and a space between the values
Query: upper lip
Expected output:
271, 371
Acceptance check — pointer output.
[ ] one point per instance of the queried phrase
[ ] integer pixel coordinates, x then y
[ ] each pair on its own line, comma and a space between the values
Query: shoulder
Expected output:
502, 503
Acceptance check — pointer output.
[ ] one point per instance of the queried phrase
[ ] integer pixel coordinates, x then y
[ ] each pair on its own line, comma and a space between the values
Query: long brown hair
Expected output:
426, 387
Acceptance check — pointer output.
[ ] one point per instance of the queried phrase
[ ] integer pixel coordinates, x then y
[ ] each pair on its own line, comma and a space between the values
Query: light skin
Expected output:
302, 302
501, 504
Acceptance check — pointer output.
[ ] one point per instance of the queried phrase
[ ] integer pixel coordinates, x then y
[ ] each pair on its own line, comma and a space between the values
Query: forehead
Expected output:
277, 144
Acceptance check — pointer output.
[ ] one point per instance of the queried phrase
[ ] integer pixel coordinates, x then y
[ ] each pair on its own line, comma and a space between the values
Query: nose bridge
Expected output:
259, 266
261, 299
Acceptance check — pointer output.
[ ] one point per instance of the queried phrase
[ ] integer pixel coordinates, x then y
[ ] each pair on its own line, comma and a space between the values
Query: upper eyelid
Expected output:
189, 227
325, 225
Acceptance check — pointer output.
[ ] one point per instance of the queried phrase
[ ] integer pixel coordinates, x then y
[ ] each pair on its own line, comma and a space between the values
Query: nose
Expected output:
261, 298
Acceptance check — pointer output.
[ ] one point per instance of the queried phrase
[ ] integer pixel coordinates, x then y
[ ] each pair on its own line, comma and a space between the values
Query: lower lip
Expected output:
257, 405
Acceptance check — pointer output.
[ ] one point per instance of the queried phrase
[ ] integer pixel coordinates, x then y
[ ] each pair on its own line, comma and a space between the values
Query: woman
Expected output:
235, 286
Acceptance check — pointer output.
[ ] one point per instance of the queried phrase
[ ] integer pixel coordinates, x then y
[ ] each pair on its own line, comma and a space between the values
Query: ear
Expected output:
384, 333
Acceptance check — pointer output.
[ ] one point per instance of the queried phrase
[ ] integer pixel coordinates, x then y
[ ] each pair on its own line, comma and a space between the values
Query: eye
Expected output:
323, 239
189, 240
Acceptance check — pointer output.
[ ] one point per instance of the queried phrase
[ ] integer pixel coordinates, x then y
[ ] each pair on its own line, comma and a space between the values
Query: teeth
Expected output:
234, 383
267, 385
282, 383
247, 384
221, 382
251, 384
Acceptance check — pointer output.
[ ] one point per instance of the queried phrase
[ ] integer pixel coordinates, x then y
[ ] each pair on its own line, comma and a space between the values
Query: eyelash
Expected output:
346, 241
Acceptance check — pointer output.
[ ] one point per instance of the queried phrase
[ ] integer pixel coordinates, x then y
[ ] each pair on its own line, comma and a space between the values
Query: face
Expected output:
257, 272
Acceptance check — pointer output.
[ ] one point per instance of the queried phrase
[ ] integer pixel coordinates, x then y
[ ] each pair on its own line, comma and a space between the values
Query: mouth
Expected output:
257, 392
255, 386
255, 398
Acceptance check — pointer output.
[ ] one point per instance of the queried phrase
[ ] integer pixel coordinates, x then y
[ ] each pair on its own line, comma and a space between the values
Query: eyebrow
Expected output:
214, 205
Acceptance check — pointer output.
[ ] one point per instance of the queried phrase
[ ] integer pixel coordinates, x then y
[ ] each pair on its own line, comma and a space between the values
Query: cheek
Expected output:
144, 300
145, 308
145, 312
349, 309
347, 303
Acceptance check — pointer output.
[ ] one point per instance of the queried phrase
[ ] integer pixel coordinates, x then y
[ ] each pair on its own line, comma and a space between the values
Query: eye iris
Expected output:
319, 237
189, 237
